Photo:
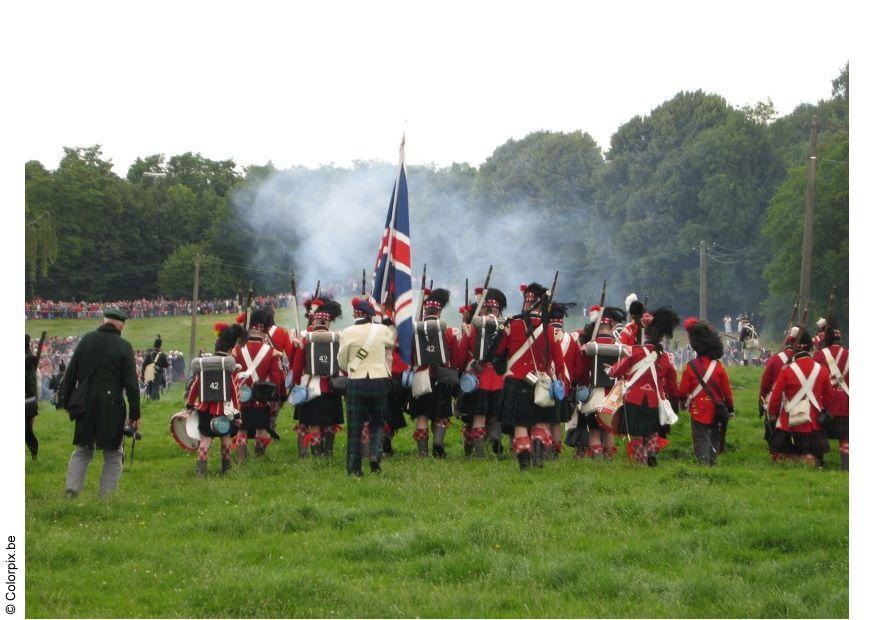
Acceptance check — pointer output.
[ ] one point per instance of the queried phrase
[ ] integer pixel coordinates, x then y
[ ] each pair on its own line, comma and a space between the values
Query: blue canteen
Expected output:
299, 395
469, 383
557, 389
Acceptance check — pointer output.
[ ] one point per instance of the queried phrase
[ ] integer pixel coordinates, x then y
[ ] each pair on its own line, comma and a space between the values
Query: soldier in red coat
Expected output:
596, 442
313, 367
261, 380
572, 371
227, 337
795, 403
530, 360
770, 374
437, 356
633, 331
650, 377
705, 385
834, 357
479, 408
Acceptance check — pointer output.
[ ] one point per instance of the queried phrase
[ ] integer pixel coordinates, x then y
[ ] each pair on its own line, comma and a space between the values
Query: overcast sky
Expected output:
335, 82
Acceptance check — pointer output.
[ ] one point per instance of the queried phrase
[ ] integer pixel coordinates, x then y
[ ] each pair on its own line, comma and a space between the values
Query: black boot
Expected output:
537, 453
226, 466
468, 447
387, 445
651, 460
375, 467
328, 445
437, 448
201, 469
525, 459
422, 447
478, 448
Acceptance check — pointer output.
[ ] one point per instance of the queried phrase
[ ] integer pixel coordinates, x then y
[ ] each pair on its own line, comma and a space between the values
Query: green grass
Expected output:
280, 537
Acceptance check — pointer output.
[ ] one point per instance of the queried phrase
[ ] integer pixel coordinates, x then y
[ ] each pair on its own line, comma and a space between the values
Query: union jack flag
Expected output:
392, 284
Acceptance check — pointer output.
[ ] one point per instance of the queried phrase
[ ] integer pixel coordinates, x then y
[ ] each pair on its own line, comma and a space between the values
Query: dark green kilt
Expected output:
639, 420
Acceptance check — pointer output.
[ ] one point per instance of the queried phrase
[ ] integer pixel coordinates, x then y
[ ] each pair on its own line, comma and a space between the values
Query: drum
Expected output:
607, 415
183, 428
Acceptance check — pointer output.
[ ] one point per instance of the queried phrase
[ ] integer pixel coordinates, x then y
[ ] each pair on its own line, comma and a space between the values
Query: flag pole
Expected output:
390, 240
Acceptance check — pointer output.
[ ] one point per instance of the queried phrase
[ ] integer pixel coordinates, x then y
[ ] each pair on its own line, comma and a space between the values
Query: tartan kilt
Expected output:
481, 402
518, 407
436, 405
366, 396
639, 420
323, 410
399, 403
839, 429
589, 421
255, 418
791, 442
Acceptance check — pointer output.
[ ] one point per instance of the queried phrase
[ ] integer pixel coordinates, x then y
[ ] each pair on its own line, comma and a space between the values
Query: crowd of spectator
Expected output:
140, 308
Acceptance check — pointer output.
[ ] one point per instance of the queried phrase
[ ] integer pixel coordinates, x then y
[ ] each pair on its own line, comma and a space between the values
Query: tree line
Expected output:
693, 169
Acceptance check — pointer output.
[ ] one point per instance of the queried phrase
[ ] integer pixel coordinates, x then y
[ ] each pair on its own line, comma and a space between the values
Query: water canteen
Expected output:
220, 425
299, 395
469, 382
557, 389
583, 393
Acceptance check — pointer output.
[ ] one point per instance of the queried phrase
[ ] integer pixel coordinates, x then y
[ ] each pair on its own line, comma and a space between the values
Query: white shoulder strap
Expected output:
526, 346
804, 391
639, 369
705, 378
784, 357
837, 376
252, 364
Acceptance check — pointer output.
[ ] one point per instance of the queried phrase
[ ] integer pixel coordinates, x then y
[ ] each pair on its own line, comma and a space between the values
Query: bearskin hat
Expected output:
227, 336
497, 298
435, 299
662, 325
157, 343
260, 319
803, 340
533, 289
704, 338
633, 306
362, 307
324, 304
559, 310
613, 315
832, 333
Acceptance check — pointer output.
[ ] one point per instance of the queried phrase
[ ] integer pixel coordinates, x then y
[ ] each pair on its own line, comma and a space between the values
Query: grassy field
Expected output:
280, 537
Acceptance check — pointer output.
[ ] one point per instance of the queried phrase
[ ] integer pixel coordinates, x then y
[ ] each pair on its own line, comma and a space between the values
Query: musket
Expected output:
431, 285
467, 317
240, 299
545, 321
364, 286
483, 293
39, 347
295, 305
421, 295
793, 315
801, 326
640, 336
598, 320
318, 284
248, 307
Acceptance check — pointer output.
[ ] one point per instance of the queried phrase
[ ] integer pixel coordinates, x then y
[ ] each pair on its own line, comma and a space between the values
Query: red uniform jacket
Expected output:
837, 398
786, 387
515, 336
214, 409
489, 380
281, 340
644, 389
771, 371
269, 369
572, 357
629, 334
702, 406
299, 365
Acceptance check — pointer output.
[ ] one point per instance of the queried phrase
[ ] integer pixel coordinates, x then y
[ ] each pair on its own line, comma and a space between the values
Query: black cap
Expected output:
115, 313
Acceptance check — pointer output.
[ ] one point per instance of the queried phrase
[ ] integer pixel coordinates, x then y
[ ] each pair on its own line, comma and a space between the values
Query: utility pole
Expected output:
808, 230
197, 277
703, 283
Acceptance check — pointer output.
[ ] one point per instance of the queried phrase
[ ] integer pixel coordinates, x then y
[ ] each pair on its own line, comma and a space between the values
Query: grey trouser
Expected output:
109, 477
706, 442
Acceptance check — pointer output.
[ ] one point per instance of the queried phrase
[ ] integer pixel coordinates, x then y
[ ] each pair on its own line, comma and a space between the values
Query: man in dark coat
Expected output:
106, 361
30, 393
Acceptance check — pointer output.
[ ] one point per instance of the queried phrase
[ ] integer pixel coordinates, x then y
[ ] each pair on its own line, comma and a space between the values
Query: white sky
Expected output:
334, 82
